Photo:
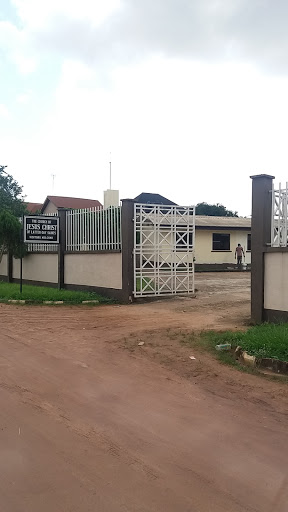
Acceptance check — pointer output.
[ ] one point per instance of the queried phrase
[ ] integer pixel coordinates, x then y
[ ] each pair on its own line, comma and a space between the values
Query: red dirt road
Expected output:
91, 422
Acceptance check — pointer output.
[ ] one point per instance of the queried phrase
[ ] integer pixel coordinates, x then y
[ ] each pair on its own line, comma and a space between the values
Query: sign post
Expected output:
21, 258
21, 273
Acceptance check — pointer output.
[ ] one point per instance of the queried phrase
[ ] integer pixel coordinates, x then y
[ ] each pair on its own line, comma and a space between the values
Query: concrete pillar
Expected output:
260, 237
111, 198
9, 267
61, 246
127, 249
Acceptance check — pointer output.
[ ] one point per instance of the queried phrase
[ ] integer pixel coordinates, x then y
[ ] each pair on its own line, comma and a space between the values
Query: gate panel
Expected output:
163, 250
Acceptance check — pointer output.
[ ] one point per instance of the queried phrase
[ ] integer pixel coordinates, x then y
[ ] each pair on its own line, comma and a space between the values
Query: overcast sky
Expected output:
189, 96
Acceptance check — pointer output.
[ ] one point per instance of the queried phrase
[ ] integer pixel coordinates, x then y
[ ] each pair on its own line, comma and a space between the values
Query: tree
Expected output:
10, 235
11, 208
11, 195
215, 210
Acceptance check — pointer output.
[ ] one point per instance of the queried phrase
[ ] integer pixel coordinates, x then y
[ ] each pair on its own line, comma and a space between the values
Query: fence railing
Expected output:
93, 229
279, 221
42, 247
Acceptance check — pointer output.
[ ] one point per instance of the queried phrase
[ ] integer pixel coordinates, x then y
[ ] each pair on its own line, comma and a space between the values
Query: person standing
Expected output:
239, 253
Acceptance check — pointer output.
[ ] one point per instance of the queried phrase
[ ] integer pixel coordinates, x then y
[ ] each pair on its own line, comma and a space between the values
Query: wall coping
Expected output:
257, 176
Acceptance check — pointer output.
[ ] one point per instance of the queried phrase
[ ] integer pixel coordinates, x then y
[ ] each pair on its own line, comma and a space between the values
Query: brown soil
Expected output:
91, 421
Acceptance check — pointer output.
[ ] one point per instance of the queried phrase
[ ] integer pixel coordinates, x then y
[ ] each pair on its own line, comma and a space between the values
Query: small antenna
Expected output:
110, 170
53, 181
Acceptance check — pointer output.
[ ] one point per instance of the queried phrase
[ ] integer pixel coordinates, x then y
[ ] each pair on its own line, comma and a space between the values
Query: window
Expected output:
221, 242
249, 242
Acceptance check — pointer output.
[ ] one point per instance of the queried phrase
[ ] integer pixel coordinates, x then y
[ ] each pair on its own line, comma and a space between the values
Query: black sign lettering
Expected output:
40, 229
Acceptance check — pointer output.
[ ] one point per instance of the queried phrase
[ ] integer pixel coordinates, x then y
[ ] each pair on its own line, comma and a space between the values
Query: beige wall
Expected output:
275, 281
38, 267
203, 246
3, 265
103, 270
50, 208
165, 251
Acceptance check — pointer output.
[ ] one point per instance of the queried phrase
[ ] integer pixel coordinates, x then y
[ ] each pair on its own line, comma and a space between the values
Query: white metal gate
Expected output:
279, 221
164, 239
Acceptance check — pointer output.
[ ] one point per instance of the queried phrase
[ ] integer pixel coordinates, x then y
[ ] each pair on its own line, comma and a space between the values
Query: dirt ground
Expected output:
92, 422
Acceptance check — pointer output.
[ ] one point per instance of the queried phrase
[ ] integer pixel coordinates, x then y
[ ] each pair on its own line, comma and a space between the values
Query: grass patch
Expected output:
207, 340
147, 283
41, 293
261, 341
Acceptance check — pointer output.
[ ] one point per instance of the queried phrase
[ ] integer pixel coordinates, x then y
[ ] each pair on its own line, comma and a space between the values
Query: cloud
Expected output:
162, 120
120, 32
35, 14
4, 112
15, 46
175, 104
23, 98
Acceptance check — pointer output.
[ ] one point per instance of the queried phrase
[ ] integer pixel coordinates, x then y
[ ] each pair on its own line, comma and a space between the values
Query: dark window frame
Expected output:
249, 242
221, 242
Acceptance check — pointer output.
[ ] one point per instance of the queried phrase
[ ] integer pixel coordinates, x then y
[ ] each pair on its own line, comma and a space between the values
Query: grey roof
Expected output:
148, 198
208, 221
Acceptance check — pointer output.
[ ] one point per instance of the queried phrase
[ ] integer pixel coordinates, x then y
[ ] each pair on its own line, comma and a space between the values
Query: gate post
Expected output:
9, 267
260, 237
61, 247
127, 228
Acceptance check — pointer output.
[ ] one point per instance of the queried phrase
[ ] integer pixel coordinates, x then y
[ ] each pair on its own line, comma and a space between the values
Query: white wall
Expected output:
4, 265
50, 208
203, 246
275, 281
38, 267
103, 270
111, 198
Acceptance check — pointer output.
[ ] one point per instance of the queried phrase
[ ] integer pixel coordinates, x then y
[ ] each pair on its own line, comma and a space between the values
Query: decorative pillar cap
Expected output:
256, 176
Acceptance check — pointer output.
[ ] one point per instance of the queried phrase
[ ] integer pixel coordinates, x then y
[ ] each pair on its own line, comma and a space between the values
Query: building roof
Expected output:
208, 222
71, 202
34, 207
148, 198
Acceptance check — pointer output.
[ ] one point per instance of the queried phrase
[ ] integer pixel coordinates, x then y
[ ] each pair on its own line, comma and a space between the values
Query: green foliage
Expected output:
41, 293
11, 208
147, 283
215, 210
10, 234
11, 196
207, 340
266, 340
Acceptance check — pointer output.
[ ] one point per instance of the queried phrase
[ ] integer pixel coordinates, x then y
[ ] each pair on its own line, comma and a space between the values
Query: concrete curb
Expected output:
53, 301
274, 365
248, 360
48, 302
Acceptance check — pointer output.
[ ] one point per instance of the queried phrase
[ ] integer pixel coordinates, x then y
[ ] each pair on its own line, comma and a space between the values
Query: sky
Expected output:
187, 98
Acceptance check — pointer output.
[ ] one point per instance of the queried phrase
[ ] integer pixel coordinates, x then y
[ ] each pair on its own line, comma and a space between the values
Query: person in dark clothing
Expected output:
239, 253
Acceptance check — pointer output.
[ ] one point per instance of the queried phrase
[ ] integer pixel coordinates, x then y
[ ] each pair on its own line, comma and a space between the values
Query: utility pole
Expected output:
53, 181
110, 172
